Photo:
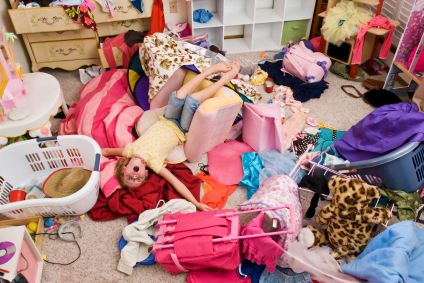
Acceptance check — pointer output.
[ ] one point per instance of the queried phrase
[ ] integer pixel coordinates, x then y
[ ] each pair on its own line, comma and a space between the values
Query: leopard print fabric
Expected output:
348, 217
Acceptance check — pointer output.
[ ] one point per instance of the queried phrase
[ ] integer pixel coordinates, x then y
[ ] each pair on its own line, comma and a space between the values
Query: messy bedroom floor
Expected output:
99, 243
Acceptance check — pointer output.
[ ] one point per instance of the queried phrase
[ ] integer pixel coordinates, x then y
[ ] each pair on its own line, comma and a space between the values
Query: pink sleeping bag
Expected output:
305, 64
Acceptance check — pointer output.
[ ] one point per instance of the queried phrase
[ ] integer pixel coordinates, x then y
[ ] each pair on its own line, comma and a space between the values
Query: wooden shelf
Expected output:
368, 2
400, 66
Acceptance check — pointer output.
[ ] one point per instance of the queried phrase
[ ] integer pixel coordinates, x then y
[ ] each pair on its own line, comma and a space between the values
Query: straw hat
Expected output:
65, 182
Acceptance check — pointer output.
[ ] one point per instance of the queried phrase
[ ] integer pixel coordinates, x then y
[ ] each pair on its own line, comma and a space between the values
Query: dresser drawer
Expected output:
65, 50
117, 53
123, 11
42, 20
115, 28
61, 35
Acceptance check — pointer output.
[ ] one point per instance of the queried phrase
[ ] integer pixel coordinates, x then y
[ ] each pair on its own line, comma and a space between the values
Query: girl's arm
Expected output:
112, 151
181, 189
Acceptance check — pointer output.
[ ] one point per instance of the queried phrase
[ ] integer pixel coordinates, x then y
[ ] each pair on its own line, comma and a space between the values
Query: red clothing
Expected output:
157, 21
134, 201
118, 41
377, 22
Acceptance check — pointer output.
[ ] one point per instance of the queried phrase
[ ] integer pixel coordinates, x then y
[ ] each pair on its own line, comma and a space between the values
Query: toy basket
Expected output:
400, 170
26, 160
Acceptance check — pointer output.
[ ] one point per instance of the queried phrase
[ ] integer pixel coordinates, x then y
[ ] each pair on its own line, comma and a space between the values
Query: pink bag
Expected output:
308, 66
262, 127
208, 239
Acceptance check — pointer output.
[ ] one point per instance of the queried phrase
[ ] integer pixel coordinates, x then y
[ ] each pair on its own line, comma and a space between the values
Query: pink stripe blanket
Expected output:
105, 112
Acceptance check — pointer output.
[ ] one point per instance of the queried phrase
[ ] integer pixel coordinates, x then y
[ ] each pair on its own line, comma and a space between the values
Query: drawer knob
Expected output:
44, 20
62, 51
121, 9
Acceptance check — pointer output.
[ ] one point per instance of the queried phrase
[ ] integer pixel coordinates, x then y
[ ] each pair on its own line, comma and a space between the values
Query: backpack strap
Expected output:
177, 263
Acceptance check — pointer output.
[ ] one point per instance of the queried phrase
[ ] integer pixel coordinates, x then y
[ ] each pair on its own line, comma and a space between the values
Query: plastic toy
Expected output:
32, 228
11, 82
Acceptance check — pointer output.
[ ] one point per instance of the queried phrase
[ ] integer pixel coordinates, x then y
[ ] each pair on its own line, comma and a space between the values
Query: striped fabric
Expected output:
106, 112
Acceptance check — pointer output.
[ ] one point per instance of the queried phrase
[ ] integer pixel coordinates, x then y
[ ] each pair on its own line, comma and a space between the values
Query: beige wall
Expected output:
18, 47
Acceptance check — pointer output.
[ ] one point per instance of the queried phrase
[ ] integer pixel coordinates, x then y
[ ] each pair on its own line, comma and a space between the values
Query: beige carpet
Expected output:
99, 243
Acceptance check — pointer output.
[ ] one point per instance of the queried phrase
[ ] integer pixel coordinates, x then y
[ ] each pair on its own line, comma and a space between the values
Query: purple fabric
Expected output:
141, 90
385, 129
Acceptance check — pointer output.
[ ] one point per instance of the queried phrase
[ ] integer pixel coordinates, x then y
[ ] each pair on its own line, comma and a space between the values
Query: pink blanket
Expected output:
105, 112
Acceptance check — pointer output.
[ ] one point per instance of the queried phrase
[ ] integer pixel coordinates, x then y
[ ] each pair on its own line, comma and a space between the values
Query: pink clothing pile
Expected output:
262, 250
377, 22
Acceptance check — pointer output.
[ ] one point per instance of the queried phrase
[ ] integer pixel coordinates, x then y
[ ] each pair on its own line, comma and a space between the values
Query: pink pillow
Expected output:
420, 64
225, 163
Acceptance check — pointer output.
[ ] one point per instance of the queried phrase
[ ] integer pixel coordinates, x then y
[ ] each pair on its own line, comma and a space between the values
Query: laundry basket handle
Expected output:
53, 138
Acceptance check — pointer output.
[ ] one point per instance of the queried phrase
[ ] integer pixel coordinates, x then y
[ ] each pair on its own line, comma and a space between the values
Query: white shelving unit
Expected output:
248, 25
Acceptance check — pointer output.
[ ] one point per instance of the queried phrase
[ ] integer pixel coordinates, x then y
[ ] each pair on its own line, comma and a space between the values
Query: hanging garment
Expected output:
138, 234
161, 56
118, 41
301, 91
261, 250
139, 5
133, 37
107, 6
378, 22
218, 194
157, 21
81, 15
407, 203
387, 128
317, 184
394, 255
134, 201
225, 163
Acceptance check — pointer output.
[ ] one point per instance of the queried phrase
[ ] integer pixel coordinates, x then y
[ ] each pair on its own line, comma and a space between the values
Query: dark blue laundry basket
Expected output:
400, 170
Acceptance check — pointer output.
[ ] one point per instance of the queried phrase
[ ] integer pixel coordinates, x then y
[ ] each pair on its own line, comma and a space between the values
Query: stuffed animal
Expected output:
348, 217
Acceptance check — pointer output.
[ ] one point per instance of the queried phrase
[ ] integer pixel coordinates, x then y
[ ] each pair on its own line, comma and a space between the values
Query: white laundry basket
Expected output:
23, 161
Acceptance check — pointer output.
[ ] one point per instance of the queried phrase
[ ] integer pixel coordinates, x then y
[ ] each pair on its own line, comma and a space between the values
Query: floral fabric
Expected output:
81, 15
278, 191
161, 56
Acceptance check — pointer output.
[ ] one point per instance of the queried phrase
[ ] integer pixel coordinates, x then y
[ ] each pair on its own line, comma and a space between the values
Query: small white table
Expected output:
43, 98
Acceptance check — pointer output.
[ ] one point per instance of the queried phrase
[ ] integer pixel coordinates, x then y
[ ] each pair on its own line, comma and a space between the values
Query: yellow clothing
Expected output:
156, 143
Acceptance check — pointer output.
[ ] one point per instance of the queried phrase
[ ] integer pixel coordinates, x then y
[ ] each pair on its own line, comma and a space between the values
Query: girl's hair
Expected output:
122, 162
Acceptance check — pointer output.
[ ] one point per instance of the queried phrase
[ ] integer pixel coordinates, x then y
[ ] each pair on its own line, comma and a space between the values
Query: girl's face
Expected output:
134, 173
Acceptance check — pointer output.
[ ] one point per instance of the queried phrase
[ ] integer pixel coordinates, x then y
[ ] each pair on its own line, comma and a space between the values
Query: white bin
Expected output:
23, 161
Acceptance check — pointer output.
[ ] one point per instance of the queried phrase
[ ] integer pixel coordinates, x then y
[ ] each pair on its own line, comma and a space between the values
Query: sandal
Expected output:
360, 95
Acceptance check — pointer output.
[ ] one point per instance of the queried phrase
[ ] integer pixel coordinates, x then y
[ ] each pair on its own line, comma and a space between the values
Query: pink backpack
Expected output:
305, 64
199, 240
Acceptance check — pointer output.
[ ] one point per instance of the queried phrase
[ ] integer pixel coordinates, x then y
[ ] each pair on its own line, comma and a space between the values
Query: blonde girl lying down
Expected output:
151, 149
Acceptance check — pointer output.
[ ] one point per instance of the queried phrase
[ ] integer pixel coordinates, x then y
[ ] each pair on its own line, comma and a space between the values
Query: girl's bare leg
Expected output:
208, 92
191, 86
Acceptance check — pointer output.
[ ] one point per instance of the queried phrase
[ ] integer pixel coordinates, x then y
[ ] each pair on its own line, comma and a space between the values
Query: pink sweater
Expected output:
377, 22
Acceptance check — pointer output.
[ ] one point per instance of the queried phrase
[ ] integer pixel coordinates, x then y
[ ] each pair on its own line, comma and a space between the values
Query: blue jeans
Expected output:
284, 275
181, 110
